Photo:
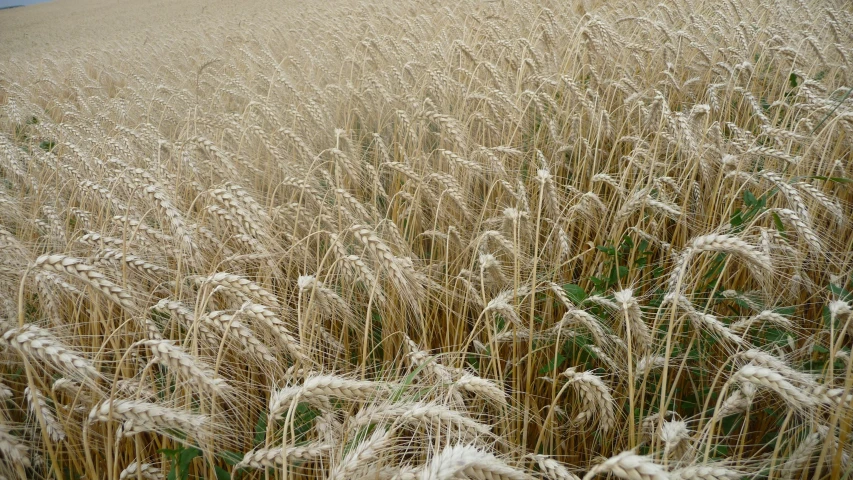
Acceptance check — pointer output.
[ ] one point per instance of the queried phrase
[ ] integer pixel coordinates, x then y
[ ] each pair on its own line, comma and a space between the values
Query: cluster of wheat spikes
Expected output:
485, 240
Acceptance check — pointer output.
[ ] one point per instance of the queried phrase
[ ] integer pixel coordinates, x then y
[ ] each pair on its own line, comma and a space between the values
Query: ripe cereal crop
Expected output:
427, 240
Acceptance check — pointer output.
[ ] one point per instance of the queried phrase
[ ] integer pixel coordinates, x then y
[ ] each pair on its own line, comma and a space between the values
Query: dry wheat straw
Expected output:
446, 174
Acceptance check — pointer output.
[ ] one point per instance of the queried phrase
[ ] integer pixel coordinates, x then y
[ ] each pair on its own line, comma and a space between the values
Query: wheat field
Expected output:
493, 240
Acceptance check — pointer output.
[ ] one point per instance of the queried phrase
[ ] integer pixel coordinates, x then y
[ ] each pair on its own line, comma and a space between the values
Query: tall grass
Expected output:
468, 239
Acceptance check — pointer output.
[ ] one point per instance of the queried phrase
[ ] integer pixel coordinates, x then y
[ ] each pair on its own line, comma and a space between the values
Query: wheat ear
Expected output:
135, 470
324, 387
37, 401
552, 469
595, 395
77, 268
228, 324
243, 286
706, 472
768, 378
38, 343
724, 244
361, 455
467, 461
179, 361
481, 387
140, 416
13, 448
285, 339
630, 466
640, 334
420, 414
275, 457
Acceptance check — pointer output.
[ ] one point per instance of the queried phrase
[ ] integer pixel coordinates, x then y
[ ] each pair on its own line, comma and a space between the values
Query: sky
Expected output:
9, 3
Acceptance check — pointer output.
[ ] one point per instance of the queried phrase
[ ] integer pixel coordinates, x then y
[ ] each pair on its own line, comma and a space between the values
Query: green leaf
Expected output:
231, 458
261, 428
473, 361
221, 473
304, 419
500, 323
769, 437
777, 336
792, 80
169, 452
407, 382
778, 222
180, 459
840, 292
575, 293
721, 451
731, 422
716, 267
736, 219
600, 283
185, 458
69, 473
831, 179
552, 364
